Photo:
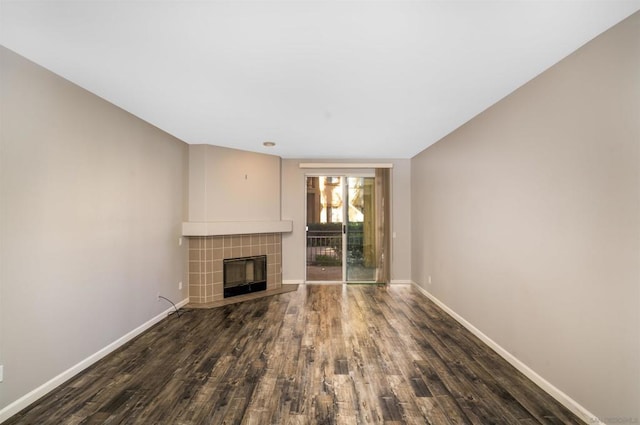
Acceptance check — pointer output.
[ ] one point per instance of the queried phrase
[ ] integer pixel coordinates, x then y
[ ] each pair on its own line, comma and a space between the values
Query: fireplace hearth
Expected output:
244, 275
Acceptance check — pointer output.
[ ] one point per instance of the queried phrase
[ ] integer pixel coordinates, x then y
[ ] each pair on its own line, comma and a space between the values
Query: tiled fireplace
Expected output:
206, 255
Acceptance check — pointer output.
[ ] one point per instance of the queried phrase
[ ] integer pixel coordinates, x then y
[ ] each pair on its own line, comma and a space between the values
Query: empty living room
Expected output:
320, 212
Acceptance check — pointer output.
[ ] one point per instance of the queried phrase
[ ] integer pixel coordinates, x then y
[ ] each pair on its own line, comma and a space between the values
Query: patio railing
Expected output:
325, 247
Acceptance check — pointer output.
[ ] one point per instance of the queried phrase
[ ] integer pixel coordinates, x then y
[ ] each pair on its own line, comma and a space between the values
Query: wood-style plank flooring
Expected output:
325, 354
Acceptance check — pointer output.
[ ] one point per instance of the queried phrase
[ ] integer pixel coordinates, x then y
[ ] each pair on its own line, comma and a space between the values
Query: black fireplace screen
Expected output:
244, 275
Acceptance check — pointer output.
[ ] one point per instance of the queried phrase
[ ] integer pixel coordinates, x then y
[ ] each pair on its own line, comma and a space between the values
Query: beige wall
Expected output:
232, 185
527, 219
293, 208
92, 205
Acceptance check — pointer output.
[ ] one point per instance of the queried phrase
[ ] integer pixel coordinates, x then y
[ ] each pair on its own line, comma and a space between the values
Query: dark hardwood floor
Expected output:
325, 354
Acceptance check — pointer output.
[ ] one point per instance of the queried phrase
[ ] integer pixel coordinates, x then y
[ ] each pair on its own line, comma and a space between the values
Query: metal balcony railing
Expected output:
325, 247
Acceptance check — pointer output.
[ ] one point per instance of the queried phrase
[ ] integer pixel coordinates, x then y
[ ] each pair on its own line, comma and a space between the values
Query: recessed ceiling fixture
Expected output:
268, 144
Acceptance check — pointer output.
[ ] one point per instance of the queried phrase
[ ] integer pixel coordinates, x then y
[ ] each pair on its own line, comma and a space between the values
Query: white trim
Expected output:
344, 165
293, 282
43, 389
217, 228
340, 173
546, 386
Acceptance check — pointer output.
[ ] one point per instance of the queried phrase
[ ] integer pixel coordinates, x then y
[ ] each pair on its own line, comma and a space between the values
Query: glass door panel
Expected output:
325, 220
360, 230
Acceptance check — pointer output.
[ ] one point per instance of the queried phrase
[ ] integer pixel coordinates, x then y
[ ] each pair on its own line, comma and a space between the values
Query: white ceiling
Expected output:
322, 79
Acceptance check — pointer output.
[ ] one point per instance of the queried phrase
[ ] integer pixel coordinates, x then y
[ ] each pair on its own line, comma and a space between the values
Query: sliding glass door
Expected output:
325, 227
340, 242
360, 230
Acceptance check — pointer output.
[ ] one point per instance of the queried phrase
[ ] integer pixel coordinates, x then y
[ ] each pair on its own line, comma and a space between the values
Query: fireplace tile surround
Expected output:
206, 255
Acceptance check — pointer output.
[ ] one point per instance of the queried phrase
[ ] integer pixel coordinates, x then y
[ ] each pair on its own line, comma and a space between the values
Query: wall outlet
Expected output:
180, 285
429, 280
180, 241
1, 373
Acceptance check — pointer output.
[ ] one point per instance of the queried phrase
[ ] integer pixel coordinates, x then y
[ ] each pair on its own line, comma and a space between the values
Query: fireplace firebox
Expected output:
244, 275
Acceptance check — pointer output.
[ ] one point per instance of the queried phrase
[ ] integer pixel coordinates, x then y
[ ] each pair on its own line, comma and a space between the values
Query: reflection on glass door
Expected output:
340, 242
325, 219
360, 229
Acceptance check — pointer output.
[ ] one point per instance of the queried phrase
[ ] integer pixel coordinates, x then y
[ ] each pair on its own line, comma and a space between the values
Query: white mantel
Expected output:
217, 228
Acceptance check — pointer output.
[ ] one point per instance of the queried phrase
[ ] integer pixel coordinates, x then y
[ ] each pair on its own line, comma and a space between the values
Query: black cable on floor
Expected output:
174, 306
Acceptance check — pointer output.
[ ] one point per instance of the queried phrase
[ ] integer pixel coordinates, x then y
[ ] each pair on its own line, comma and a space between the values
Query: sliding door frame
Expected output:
344, 174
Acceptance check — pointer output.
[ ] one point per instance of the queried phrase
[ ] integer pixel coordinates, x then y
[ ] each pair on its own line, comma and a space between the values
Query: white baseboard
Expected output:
43, 389
546, 386
292, 282
401, 282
